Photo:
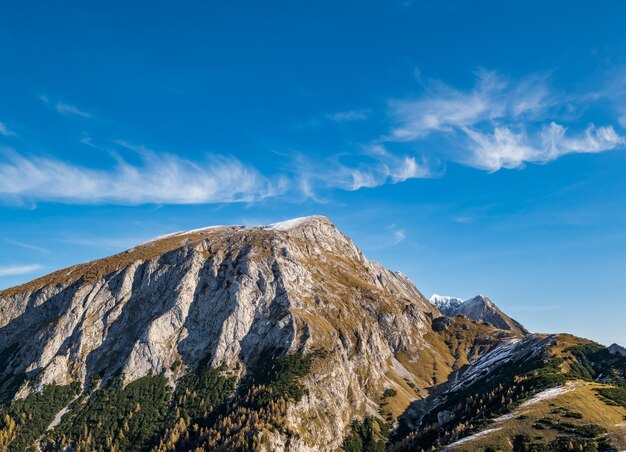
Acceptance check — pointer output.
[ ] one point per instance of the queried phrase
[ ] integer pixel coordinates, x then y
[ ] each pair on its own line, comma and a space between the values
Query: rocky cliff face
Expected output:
224, 296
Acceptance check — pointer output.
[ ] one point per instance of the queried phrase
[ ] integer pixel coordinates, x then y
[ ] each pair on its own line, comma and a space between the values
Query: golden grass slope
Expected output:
575, 396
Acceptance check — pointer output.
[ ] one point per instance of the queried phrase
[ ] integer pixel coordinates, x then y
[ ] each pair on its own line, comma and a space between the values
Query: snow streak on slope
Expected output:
510, 350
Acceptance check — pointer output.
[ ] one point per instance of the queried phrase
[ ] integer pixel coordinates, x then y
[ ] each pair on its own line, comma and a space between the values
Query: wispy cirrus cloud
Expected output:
339, 117
5, 131
159, 178
14, 270
66, 109
348, 116
374, 167
398, 234
499, 123
442, 108
507, 148
383, 168
28, 246
386, 237
163, 178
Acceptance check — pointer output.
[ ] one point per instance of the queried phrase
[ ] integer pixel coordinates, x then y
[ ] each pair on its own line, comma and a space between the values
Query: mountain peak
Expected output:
479, 308
317, 229
617, 349
479, 300
298, 222
285, 225
224, 297
222, 292
446, 304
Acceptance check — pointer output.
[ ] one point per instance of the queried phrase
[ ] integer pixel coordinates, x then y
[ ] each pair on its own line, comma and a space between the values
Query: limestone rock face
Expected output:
222, 296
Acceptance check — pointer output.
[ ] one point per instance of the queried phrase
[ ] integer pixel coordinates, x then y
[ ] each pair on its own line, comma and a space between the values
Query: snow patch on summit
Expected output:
206, 228
280, 226
161, 237
293, 223
177, 234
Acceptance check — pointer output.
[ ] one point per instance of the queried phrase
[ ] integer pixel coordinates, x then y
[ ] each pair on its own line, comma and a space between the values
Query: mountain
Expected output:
279, 337
480, 309
538, 393
447, 305
617, 349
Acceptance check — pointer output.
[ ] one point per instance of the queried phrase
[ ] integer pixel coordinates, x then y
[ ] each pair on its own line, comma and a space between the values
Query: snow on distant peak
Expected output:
444, 299
479, 299
479, 308
452, 306
447, 305
453, 302
294, 223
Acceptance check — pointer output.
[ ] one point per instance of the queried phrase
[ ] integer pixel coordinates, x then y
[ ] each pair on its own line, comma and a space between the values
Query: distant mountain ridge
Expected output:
479, 309
447, 305
616, 349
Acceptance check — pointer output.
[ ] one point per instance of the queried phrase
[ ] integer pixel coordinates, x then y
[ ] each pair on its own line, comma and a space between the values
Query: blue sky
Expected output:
478, 147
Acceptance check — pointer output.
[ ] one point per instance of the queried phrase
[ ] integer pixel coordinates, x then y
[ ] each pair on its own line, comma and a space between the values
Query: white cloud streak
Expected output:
66, 109
444, 109
348, 116
28, 246
376, 167
158, 179
498, 123
398, 234
13, 270
391, 169
505, 148
4, 130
